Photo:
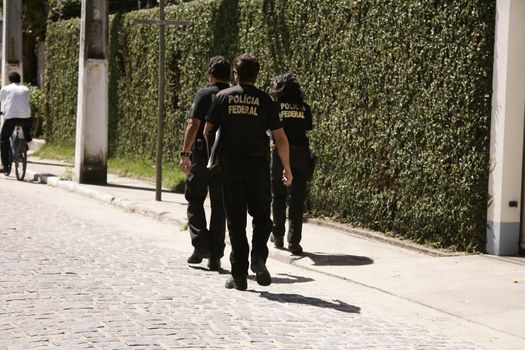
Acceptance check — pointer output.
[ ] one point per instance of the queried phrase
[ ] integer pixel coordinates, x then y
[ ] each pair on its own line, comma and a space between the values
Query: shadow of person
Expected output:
324, 259
290, 279
337, 305
221, 271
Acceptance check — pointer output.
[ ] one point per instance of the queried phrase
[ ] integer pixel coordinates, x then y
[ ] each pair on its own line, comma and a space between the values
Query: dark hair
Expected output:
219, 68
247, 67
14, 77
287, 88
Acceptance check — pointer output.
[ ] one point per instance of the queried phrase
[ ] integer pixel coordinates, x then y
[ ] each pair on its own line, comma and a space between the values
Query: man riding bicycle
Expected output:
14, 99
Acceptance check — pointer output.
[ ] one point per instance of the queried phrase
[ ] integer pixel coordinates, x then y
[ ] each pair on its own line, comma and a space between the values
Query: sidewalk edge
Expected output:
126, 205
53, 180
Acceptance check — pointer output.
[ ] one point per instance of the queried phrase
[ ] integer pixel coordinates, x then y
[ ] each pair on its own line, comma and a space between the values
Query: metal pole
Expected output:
160, 130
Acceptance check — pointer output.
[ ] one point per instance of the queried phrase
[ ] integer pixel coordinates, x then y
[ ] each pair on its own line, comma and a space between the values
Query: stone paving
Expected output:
78, 274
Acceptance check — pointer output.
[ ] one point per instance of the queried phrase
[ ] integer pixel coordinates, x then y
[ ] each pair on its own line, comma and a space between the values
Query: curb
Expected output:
281, 255
167, 217
128, 206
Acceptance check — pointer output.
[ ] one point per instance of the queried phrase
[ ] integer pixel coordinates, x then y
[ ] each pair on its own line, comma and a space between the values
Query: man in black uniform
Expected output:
244, 114
206, 243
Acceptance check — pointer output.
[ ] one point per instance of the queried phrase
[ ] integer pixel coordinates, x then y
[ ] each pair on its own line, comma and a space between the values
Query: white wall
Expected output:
507, 129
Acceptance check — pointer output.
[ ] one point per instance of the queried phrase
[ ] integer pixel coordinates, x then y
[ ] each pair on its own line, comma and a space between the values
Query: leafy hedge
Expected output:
134, 73
400, 92
61, 80
37, 101
133, 62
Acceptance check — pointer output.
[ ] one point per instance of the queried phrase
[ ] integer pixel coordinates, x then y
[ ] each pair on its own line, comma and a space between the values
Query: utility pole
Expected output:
91, 147
162, 23
12, 60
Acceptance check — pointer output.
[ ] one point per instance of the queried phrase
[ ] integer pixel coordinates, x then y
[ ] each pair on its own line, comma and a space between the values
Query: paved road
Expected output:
75, 274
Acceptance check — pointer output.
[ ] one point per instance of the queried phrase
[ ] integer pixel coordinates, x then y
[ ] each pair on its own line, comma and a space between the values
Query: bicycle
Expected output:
17, 153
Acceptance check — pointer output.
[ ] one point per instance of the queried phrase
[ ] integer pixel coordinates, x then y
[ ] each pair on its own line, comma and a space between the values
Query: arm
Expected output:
189, 138
207, 127
281, 142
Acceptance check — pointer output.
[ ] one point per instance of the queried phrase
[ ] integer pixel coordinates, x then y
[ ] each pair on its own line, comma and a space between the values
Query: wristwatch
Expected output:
185, 154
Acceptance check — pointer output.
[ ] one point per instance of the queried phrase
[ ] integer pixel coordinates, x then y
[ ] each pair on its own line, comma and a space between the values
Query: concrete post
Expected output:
507, 129
12, 59
91, 148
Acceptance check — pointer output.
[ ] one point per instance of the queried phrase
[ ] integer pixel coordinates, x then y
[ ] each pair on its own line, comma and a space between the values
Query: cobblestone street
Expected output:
78, 274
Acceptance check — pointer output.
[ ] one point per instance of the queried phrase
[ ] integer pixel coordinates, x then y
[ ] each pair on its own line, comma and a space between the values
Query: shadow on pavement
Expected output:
300, 299
202, 268
50, 164
324, 259
290, 279
130, 187
275, 279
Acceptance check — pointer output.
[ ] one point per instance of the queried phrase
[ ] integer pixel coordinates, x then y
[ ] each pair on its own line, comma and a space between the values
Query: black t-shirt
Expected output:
296, 119
244, 113
202, 102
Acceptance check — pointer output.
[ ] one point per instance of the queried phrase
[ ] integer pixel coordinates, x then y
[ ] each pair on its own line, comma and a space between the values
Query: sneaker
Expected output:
197, 256
262, 276
214, 264
295, 248
239, 283
278, 242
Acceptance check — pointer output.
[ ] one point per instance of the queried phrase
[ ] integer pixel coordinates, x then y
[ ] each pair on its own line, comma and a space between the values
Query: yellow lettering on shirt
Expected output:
291, 106
243, 99
242, 109
291, 110
243, 104
291, 114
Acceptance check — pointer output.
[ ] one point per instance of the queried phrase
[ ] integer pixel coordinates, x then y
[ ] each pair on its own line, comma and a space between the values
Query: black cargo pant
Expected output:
247, 189
299, 162
198, 182
7, 130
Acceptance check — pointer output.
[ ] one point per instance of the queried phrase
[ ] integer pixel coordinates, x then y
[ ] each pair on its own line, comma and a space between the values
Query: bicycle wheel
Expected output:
20, 159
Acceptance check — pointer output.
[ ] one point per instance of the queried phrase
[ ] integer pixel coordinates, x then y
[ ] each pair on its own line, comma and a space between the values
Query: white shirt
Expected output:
15, 101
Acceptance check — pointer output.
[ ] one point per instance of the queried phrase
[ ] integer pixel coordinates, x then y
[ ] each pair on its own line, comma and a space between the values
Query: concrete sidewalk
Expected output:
485, 290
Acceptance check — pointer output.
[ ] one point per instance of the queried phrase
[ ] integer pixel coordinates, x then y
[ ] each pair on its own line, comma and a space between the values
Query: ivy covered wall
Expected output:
400, 92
